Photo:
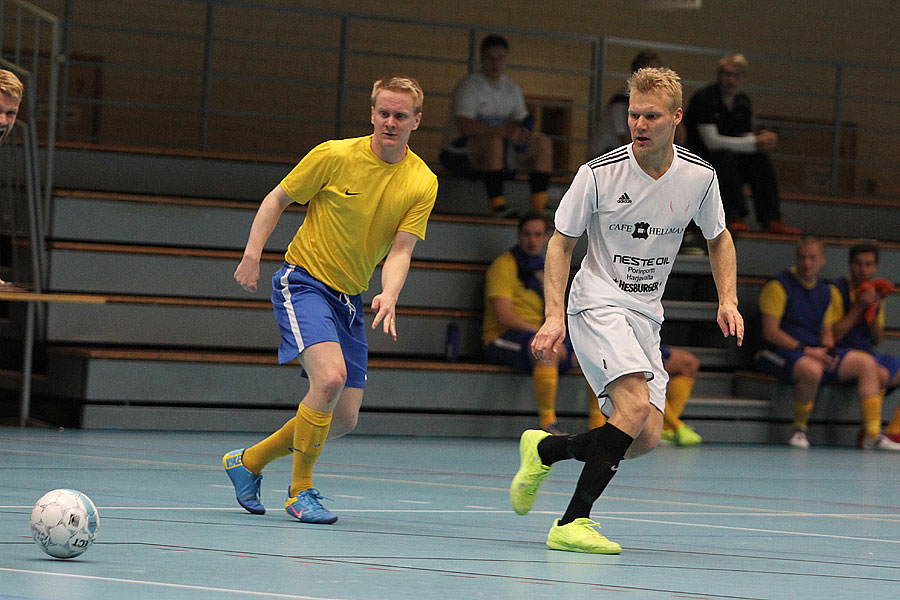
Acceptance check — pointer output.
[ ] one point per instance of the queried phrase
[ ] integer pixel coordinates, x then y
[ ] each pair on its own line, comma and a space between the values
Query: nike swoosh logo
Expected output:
349, 193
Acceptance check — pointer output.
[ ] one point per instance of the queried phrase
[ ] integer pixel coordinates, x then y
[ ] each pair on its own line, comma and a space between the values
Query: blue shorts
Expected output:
889, 362
665, 352
780, 363
513, 348
309, 312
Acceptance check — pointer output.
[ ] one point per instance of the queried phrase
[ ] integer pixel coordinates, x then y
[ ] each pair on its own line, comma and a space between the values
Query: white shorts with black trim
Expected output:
611, 342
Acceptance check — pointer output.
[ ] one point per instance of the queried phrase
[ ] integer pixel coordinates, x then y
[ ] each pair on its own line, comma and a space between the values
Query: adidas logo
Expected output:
624, 199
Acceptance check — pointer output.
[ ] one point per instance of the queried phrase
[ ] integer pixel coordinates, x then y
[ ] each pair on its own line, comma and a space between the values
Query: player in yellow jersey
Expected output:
368, 198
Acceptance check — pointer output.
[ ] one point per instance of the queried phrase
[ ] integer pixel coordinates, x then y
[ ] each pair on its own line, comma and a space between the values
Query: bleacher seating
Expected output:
175, 344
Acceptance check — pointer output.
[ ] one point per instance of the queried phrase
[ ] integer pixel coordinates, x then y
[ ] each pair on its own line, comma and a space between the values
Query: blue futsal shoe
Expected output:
306, 507
246, 484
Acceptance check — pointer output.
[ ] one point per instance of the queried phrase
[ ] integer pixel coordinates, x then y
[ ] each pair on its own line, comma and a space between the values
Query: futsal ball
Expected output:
64, 523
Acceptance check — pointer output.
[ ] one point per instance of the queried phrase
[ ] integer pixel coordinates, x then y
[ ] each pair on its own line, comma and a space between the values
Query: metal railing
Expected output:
227, 55
228, 49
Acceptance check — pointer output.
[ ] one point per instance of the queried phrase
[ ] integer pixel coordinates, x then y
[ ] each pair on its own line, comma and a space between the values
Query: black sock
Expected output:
539, 182
493, 183
604, 451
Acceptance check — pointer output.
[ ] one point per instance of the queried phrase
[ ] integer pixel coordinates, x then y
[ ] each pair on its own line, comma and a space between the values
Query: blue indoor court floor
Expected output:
429, 518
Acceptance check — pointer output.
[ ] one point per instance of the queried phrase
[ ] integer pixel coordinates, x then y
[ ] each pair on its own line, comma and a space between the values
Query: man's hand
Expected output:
247, 274
766, 140
731, 322
385, 311
820, 355
549, 339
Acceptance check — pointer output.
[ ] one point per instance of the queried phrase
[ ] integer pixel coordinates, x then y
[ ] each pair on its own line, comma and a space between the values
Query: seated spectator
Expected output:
682, 367
860, 324
719, 124
514, 311
797, 313
489, 133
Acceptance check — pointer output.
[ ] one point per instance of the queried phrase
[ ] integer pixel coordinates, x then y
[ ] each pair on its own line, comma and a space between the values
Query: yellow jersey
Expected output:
357, 204
502, 281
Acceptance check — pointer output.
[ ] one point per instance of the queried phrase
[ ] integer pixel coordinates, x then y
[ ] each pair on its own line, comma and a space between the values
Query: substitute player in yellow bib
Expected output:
369, 199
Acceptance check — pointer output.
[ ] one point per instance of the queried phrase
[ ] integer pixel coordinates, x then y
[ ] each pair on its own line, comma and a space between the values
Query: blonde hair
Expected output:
738, 61
10, 84
660, 80
400, 83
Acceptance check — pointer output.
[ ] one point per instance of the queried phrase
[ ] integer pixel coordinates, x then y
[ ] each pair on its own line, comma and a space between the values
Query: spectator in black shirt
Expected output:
719, 122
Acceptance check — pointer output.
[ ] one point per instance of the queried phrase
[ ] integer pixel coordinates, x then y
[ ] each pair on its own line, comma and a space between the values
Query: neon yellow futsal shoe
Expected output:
580, 536
531, 474
687, 437
667, 435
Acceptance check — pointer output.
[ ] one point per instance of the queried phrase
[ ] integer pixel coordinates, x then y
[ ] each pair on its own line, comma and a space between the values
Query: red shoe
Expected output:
737, 225
780, 226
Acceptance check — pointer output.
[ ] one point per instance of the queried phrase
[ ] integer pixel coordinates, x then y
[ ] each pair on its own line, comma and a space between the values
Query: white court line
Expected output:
763, 511
754, 530
605, 515
168, 585
492, 510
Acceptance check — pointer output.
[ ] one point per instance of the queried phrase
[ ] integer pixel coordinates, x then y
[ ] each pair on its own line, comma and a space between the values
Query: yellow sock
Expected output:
278, 444
545, 379
538, 201
871, 414
595, 417
801, 414
893, 427
677, 393
498, 203
310, 432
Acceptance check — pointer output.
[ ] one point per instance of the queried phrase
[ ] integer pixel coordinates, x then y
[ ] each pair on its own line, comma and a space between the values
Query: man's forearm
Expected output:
723, 262
556, 275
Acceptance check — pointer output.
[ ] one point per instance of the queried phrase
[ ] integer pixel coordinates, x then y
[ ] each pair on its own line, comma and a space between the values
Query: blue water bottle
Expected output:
451, 345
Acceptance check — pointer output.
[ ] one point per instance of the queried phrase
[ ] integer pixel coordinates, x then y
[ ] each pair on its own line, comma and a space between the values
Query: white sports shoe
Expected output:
880, 442
798, 439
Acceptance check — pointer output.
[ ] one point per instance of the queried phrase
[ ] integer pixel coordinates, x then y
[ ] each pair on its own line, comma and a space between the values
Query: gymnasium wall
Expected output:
861, 32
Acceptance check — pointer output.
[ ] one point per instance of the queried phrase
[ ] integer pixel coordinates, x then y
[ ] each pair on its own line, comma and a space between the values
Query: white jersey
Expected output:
489, 102
635, 225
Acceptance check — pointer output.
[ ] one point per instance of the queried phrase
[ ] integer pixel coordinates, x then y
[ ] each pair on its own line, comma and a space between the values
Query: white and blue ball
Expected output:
64, 523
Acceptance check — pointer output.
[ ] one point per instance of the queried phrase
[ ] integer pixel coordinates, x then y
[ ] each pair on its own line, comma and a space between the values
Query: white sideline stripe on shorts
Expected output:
508, 345
178, 586
289, 309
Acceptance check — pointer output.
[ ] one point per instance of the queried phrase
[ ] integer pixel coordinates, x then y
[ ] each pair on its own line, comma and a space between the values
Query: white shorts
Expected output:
610, 342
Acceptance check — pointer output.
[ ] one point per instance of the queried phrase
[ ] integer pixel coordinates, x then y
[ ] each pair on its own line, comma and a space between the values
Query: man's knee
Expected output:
330, 380
807, 371
342, 424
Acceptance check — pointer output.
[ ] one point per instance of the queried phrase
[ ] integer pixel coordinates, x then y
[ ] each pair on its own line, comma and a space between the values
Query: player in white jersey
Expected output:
634, 203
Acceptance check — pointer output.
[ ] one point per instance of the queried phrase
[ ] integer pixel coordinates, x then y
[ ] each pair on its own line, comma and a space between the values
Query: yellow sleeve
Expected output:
773, 299
501, 278
834, 312
880, 318
310, 175
416, 218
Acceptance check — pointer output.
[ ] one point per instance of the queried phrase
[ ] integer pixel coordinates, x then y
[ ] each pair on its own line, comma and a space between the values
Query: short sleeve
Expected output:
310, 175
577, 204
501, 277
834, 312
415, 220
773, 299
711, 216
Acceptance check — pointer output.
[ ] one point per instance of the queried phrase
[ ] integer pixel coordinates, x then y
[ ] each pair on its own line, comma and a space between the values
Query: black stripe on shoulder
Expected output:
685, 154
609, 158
617, 153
